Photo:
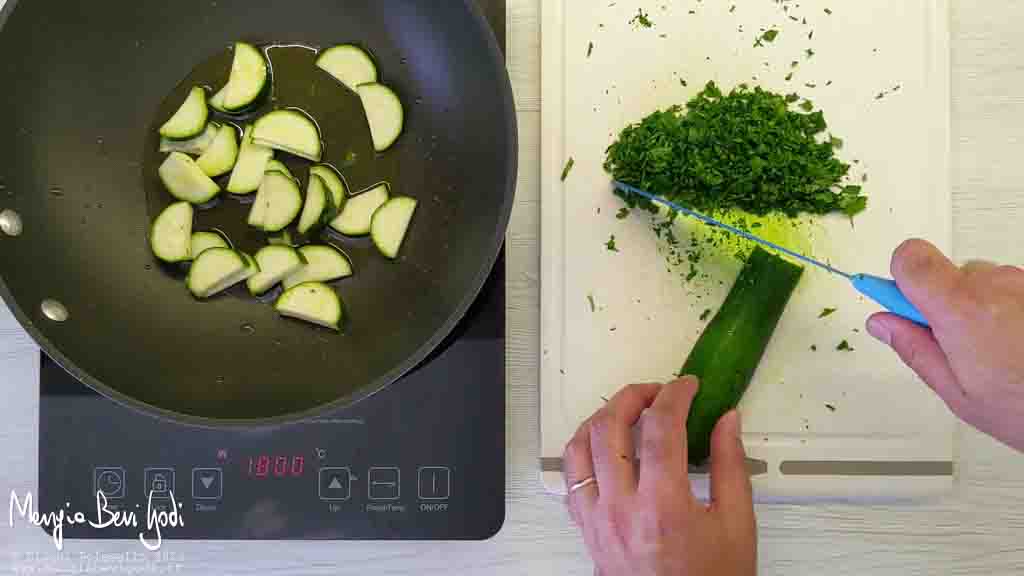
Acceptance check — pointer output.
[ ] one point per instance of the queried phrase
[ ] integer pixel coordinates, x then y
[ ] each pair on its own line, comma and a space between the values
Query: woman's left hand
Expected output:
645, 519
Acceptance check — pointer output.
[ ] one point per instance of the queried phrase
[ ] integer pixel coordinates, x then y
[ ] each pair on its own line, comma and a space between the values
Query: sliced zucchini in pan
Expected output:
312, 302
203, 241
276, 165
289, 131
258, 212
217, 100
249, 79
356, 217
190, 119
252, 163
251, 267
323, 264
171, 234
276, 263
384, 113
216, 270
335, 183
196, 146
349, 64
282, 199
319, 210
186, 181
391, 223
220, 158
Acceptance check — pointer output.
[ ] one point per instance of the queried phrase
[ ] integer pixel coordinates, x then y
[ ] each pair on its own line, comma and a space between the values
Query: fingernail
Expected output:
880, 330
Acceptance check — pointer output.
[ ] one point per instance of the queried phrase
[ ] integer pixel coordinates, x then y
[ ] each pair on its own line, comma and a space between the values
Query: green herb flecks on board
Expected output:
568, 168
641, 20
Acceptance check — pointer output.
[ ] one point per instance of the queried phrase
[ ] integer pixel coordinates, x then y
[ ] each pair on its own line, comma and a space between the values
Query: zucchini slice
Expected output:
171, 235
203, 241
323, 264
289, 131
217, 100
216, 270
196, 146
251, 267
384, 113
283, 201
250, 76
258, 212
312, 302
186, 181
391, 223
730, 349
335, 183
357, 216
276, 263
348, 64
319, 209
190, 119
252, 163
220, 158
276, 165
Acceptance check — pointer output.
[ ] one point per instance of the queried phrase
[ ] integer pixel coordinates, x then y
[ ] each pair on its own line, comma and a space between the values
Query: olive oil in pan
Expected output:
296, 82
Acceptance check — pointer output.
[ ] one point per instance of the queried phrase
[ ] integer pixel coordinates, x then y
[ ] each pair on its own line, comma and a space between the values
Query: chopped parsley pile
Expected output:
749, 149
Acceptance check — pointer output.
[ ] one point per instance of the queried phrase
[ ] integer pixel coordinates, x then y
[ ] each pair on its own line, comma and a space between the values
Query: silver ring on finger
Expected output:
582, 484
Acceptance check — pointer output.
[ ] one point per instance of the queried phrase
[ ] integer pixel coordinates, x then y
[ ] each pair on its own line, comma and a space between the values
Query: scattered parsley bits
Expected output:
641, 20
610, 244
590, 300
827, 312
769, 37
844, 346
623, 213
568, 168
747, 149
705, 315
590, 49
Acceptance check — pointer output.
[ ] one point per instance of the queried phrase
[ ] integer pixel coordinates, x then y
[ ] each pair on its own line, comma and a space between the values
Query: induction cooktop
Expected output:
424, 459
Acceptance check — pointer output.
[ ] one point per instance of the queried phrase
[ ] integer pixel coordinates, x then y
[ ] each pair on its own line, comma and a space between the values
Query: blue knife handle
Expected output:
888, 294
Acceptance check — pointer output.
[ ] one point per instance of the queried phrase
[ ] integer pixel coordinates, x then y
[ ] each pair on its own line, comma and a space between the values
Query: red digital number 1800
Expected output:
267, 466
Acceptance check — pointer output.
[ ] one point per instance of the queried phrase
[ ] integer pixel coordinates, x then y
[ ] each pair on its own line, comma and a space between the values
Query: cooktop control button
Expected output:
109, 480
435, 483
159, 482
384, 484
207, 484
335, 484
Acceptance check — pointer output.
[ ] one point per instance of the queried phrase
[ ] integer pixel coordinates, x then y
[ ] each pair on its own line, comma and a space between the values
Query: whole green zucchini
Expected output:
728, 352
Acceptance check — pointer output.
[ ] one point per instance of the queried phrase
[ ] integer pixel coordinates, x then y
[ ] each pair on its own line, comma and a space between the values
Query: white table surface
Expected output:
980, 530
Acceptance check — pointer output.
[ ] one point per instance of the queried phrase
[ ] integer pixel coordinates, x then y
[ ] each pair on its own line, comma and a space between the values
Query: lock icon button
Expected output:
159, 482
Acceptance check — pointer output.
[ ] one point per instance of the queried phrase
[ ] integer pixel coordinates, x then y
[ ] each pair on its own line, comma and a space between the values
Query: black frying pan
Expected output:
85, 83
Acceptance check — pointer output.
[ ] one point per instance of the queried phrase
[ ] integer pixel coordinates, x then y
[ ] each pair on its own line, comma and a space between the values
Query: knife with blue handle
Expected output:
881, 290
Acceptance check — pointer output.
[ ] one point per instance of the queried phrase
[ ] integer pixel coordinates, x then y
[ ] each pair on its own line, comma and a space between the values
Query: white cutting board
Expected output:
888, 436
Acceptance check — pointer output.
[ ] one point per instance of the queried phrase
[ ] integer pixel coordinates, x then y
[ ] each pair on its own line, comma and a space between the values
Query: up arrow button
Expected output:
335, 484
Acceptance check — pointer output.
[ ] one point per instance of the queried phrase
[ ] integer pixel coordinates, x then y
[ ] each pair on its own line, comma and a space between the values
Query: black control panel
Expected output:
422, 459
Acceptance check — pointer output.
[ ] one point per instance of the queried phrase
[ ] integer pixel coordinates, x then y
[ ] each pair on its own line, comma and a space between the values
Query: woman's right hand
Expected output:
973, 356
